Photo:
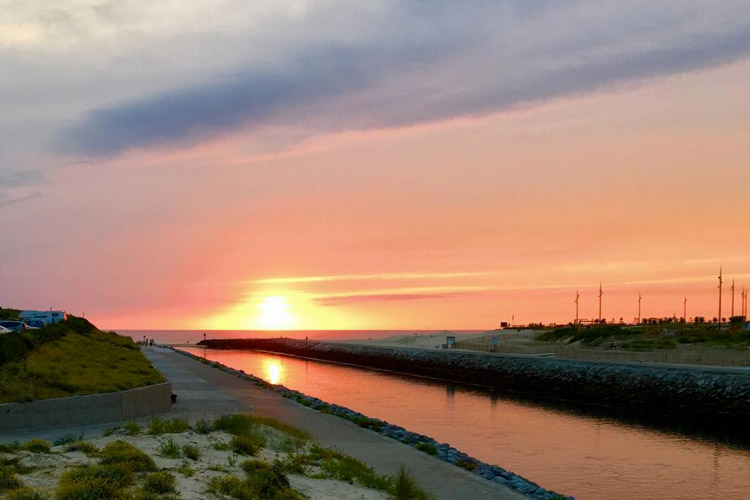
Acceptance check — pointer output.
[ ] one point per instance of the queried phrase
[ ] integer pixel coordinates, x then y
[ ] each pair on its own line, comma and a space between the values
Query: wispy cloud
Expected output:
364, 277
413, 64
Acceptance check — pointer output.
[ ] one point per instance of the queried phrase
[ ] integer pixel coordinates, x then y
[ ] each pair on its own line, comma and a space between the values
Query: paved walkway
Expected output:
205, 392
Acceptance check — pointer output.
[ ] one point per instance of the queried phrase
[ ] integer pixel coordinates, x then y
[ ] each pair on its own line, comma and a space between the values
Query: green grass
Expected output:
67, 439
79, 359
10, 447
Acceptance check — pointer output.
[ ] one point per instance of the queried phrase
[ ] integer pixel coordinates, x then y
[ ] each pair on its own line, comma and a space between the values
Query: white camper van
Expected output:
49, 317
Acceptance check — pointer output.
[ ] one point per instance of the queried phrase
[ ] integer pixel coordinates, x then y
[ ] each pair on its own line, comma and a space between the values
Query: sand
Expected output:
211, 463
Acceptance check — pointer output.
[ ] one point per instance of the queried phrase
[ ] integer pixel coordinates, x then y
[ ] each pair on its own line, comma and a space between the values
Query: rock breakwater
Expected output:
712, 396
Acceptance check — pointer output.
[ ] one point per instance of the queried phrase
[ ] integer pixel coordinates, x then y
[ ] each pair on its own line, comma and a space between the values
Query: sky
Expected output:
373, 165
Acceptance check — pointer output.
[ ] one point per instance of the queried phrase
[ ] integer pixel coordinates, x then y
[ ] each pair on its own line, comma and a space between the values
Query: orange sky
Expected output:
454, 222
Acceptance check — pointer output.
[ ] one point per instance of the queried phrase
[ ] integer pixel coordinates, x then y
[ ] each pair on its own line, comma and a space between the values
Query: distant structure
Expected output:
684, 309
639, 308
721, 281
600, 301
732, 315
49, 317
578, 295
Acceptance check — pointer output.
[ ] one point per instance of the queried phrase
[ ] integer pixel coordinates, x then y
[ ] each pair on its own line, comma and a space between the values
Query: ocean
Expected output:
194, 336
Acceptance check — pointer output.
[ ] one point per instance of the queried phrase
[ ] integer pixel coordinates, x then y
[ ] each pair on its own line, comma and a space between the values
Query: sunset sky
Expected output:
372, 165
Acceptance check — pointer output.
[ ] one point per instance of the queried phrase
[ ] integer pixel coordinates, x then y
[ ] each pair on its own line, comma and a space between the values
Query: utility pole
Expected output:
576, 301
600, 301
684, 308
732, 298
639, 308
721, 281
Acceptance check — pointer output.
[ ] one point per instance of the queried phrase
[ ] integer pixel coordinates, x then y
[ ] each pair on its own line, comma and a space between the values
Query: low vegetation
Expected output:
657, 335
70, 358
124, 470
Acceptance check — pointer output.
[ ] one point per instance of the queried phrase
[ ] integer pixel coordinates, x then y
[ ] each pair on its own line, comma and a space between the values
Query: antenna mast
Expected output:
684, 308
721, 281
576, 301
732, 298
639, 308
600, 301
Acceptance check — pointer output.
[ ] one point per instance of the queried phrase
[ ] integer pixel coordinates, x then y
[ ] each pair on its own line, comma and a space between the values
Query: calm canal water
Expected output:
589, 457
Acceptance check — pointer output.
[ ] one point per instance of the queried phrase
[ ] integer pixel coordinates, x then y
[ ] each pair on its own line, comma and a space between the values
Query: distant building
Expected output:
49, 317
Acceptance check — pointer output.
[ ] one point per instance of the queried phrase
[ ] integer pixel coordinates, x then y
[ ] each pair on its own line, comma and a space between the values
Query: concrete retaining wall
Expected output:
715, 396
83, 410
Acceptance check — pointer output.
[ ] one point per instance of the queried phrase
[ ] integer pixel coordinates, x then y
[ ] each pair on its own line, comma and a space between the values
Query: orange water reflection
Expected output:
590, 458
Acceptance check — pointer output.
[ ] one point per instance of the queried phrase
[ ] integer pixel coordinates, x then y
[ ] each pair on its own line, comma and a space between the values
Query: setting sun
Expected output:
275, 313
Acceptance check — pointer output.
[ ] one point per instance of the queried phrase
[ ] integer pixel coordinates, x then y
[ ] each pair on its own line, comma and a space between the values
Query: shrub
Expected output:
174, 426
37, 446
132, 428
83, 446
185, 470
169, 448
202, 426
120, 452
160, 482
191, 452
469, 466
234, 424
110, 430
27, 494
67, 438
248, 444
427, 448
8, 480
10, 447
100, 482
265, 480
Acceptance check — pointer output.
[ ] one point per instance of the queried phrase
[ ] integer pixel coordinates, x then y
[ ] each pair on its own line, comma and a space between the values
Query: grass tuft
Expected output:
67, 438
191, 452
428, 448
132, 428
202, 426
8, 480
83, 446
169, 448
120, 452
160, 482
248, 444
95, 482
27, 494
405, 488
37, 446
175, 426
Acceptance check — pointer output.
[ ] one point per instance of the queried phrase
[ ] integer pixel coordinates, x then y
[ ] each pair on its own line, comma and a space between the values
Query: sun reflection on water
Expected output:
272, 367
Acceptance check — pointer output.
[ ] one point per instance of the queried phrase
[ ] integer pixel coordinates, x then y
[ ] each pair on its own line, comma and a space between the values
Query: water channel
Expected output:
578, 453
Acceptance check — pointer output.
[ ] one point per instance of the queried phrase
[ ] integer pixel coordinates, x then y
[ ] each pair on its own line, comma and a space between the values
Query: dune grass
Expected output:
83, 360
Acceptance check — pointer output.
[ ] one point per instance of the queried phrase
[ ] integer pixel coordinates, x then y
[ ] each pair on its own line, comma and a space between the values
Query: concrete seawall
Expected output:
687, 394
84, 410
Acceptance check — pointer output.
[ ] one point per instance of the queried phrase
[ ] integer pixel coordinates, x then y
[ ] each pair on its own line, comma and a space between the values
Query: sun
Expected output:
274, 313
